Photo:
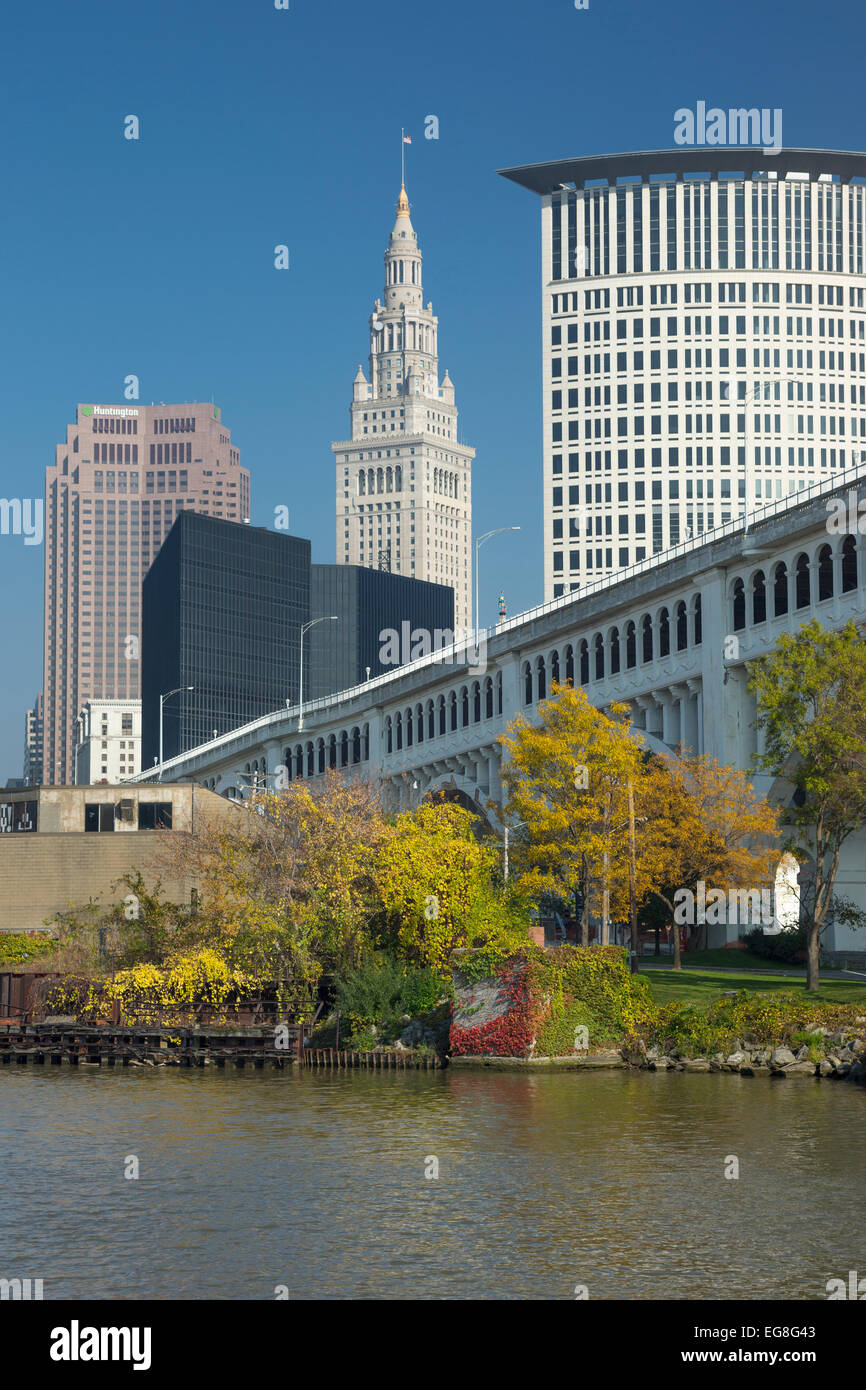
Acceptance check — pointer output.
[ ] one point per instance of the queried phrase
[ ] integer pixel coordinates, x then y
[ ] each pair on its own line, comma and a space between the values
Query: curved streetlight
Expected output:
305, 627
478, 544
162, 699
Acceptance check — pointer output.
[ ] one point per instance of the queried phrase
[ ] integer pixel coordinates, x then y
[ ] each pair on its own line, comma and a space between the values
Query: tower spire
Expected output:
404, 141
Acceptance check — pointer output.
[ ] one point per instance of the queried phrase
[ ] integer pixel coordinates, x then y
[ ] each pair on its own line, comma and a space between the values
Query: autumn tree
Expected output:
288, 885
811, 696
436, 883
568, 779
702, 822
594, 802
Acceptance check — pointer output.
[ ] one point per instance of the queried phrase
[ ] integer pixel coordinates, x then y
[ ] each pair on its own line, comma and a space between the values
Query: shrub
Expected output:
785, 946
549, 994
748, 1017
556, 1036
598, 978
381, 991
17, 948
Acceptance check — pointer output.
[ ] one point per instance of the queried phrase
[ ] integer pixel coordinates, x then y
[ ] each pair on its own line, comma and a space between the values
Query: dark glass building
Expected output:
223, 605
378, 614
222, 609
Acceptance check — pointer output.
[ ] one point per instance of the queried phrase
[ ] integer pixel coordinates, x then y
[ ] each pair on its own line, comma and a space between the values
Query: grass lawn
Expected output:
703, 986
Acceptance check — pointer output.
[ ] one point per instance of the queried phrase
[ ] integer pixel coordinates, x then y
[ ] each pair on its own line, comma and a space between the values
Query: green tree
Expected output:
811, 696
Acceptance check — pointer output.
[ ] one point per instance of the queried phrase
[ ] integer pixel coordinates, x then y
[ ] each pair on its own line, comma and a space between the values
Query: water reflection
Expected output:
316, 1180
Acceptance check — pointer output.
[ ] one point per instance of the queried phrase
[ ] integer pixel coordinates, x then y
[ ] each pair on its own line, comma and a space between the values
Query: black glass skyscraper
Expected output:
222, 609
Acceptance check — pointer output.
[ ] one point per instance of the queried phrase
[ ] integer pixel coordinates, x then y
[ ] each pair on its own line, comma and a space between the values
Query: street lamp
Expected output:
478, 544
305, 627
515, 824
162, 699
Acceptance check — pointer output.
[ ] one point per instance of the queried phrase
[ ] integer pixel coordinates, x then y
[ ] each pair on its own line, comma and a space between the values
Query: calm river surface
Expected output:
317, 1181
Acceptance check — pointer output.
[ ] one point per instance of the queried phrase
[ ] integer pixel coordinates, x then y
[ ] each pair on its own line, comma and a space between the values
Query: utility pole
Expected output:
632, 874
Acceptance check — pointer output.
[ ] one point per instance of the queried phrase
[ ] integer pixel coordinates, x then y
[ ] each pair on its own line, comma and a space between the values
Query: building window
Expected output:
98, 815
154, 815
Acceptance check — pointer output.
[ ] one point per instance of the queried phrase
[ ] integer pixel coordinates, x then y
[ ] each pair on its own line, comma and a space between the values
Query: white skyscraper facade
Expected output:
703, 320
403, 479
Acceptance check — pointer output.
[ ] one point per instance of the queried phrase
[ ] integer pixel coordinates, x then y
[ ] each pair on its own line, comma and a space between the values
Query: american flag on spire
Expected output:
407, 139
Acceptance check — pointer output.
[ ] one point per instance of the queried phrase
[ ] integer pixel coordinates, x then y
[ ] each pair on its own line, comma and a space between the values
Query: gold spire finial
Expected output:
403, 201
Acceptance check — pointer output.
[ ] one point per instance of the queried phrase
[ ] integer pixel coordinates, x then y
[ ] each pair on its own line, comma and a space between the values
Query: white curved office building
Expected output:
704, 340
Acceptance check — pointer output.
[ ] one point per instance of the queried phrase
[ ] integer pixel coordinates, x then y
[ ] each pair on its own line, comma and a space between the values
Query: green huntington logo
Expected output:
87, 410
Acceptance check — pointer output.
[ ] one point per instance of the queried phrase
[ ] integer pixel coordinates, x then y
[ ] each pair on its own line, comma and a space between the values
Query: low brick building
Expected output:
61, 847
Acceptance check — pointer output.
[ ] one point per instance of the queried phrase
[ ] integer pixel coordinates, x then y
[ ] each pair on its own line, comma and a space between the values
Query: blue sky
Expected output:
262, 126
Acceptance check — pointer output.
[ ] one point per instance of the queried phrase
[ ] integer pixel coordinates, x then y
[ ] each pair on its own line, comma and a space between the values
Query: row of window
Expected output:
110, 424
764, 455
699, 359
109, 453
702, 390
701, 325
380, 480
102, 815
178, 481
601, 427
763, 292
177, 425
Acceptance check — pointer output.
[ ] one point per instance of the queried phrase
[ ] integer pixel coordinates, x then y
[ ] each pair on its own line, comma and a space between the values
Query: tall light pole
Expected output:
516, 826
478, 544
162, 699
305, 627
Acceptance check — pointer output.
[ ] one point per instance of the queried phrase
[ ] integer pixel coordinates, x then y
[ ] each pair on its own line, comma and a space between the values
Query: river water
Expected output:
315, 1181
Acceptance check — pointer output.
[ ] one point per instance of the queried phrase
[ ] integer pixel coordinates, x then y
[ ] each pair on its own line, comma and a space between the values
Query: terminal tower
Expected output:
404, 482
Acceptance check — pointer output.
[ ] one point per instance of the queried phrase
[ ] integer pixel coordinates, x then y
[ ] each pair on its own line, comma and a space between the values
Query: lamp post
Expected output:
516, 825
305, 627
162, 699
478, 544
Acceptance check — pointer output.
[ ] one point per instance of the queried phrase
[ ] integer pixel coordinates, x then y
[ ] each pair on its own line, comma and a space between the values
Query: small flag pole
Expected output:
402, 157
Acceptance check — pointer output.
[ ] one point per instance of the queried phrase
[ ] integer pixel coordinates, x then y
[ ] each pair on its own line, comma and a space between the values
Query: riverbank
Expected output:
582, 1007
775, 1063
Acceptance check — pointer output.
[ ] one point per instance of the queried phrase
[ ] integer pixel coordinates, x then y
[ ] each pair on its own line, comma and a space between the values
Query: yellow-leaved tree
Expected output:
436, 886
601, 814
571, 780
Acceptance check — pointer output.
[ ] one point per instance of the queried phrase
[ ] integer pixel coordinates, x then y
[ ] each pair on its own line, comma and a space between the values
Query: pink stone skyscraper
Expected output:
120, 479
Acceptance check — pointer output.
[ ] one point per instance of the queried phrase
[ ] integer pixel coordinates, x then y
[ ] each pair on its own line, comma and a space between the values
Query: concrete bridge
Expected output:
670, 636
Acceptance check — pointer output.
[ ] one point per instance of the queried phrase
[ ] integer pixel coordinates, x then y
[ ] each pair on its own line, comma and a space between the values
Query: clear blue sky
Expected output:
262, 126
